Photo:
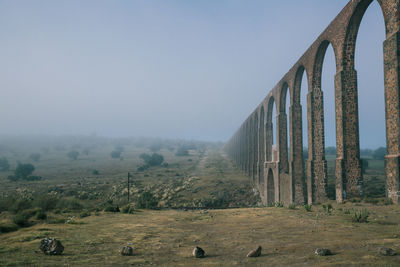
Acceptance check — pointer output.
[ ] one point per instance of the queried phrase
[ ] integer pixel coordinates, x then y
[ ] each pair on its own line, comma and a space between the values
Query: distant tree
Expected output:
380, 153
330, 150
155, 147
95, 172
73, 154
116, 154
182, 151
153, 160
35, 157
119, 148
4, 166
364, 165
23, 170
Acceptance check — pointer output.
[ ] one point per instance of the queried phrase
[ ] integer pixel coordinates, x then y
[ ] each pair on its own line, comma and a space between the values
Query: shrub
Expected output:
307, 207
20, 205
292, 206
346, 211
73, 154
360, 216
182, 151
111, 208
95, 172
41, 215
84, 214
279, 204
153, 160
22, 219
4, 166
142, 168
23, 170
147, 201
8, 227
128, 209
6, 203
115, 154
46, 202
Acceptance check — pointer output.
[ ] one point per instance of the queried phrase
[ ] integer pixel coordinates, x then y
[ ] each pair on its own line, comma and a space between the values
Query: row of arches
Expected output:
269, 144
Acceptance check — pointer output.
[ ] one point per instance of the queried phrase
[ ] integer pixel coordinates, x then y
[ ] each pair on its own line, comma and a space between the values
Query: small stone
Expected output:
323, 252
51, 246
387, 251
198, 252
127, 251
255, 252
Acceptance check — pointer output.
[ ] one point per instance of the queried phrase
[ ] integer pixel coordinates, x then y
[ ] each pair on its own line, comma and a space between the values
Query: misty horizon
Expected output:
169, 69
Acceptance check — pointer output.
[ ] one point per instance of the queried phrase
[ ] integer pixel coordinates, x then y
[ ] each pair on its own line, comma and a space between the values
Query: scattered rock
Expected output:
386, 251
51, 246
255, 252
323, 252
198, 252
127, 251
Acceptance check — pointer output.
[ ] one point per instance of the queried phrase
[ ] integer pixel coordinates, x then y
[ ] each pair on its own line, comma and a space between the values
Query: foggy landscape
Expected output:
145, 129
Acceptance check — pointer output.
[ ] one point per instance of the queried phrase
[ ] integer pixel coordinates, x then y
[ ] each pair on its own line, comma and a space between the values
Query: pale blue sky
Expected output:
174, 69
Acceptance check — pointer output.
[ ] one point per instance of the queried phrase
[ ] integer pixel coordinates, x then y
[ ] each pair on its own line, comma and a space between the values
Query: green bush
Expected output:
41, 215
6, 203
23, 170
360, 216
308, 207
8, 227
111, 208
46, 202
84, 214
292, 206
153, 160
20, 205
279, 204
73, 155
22, 220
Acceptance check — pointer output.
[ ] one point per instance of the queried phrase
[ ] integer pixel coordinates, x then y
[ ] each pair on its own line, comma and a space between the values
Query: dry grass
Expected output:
166, 238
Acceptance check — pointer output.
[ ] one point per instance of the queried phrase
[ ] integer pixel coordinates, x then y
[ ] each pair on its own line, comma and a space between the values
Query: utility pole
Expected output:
129, 175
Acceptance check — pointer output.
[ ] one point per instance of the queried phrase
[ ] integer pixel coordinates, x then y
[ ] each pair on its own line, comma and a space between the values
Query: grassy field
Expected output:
166, 238
71, 203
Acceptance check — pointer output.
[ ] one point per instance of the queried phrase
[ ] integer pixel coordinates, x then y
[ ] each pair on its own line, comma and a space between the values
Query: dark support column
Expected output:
348, 165
281, 120
392, 107
296, 150
268, 141
316, 165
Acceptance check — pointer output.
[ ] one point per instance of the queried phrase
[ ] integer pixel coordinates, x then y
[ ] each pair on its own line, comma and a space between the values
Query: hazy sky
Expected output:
168, 68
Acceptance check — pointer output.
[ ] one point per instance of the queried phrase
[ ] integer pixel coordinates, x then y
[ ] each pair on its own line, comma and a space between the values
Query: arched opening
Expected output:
285, 115
371, 102
328, 88
271, 132
270, 187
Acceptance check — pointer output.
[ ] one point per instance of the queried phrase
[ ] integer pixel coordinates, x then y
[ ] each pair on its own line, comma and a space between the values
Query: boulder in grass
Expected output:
255, 252
51, 246
323, 252
198, 252
127, 251
387, 252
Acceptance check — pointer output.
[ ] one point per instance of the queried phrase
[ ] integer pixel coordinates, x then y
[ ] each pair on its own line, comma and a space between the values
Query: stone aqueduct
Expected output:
279, 174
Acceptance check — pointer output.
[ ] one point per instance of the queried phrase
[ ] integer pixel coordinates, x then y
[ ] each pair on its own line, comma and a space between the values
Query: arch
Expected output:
270, 187
255, 148
282, 103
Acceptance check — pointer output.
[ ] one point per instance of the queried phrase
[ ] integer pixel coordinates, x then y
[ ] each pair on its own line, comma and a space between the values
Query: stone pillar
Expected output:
281, 120
250, 150
261, 154
268, 141
348, 165
296, 152
392, 108
316, 165
255, 152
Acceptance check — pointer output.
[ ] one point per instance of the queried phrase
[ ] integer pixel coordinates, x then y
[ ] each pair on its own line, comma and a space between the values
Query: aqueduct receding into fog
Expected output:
279, 173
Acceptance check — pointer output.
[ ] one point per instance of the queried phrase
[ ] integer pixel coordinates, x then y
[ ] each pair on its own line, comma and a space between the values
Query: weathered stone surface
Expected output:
386, 251
127, 251
51, 246
253, 142
323, 252
255, 252
198, 252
